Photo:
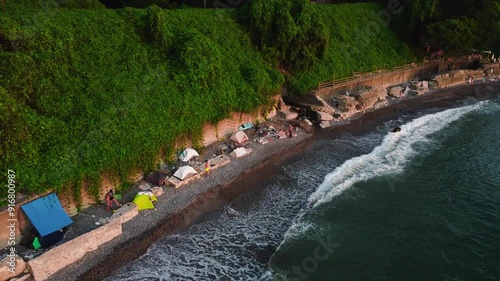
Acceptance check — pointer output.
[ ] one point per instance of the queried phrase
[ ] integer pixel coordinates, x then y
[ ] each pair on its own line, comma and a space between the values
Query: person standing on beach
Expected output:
207, 168
110, 198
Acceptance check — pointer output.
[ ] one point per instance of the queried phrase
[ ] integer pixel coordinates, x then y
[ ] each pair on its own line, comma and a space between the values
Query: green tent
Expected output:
144, 202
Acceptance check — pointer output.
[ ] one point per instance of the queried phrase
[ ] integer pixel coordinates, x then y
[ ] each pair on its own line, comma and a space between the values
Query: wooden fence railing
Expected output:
425, 67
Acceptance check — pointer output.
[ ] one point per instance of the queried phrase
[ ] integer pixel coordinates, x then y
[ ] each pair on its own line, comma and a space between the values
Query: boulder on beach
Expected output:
455, 77
396, 92
441, 80
347, 103
288, 114
413, 85
368, 97
418, 92
324, 124
323, 116
326, 107
306, 125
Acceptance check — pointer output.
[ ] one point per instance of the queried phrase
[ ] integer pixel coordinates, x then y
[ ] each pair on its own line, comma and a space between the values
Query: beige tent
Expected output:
239, 137
188, 154
240, 152
184, 172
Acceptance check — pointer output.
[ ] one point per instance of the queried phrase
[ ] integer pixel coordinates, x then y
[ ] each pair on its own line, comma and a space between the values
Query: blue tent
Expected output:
47, 214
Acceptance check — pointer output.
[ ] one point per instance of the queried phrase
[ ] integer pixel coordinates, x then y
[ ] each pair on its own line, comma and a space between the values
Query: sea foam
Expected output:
390, 157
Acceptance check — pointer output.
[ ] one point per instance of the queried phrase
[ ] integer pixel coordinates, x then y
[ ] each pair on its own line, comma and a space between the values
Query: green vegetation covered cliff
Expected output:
86, 90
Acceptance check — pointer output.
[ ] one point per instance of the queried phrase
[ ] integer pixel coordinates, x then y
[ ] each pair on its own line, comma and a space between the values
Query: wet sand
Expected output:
180, 208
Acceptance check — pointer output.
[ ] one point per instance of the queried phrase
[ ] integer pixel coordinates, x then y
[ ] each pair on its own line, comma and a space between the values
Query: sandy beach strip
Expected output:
180, 208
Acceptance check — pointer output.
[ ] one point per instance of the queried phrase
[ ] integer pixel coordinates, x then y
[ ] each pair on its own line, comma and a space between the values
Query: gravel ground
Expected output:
175, 209
178, 208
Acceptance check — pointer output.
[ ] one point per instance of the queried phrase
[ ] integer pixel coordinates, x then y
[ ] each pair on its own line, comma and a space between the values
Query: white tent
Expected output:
184, 172
239, 137
188, 154
240, 152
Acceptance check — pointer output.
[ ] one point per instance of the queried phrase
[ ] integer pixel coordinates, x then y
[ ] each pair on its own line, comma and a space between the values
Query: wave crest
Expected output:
390, 157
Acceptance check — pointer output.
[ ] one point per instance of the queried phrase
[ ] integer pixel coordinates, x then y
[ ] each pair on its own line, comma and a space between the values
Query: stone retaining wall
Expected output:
43, 266
211, 134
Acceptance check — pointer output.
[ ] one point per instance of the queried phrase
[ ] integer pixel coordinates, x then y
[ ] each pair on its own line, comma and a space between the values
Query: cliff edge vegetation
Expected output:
86, 90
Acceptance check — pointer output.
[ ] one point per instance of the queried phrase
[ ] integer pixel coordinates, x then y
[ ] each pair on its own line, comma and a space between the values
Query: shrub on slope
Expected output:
357, 42
90, 91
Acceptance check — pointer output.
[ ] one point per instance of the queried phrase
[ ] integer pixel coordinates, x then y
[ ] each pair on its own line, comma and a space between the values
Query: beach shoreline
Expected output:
180, 208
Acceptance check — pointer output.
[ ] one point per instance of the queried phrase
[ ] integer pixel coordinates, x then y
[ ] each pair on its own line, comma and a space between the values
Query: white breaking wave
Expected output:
235, 246
389, 158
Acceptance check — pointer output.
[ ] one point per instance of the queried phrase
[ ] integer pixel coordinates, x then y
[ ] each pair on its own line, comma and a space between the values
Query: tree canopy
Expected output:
457, 26
287, 31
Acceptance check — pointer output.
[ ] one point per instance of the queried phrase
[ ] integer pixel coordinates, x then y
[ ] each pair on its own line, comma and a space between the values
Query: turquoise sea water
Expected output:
422, 204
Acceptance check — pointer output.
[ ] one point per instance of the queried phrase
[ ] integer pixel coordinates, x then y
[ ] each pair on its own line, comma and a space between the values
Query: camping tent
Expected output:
188, 154
156, 178
240, 152
46, 214
184, 172
144, 202
239, 137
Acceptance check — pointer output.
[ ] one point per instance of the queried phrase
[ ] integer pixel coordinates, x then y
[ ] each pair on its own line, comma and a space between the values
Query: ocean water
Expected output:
421, 204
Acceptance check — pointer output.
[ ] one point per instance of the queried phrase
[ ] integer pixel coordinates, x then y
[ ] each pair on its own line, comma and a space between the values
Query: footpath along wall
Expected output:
337, 103
387, 77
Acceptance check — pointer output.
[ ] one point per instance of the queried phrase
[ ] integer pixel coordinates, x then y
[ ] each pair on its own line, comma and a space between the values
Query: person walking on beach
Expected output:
207, 168
110, 198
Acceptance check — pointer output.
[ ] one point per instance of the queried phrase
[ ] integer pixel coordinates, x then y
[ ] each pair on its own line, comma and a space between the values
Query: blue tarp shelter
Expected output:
47, 214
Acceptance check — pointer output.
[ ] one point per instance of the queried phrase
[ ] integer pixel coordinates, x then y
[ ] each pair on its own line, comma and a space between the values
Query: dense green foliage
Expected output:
457, 26
457, 35
286, 31
358, 41
30, 6
89, 91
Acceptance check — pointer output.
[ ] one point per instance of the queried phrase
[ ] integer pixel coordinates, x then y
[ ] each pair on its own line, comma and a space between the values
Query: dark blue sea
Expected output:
421, 204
